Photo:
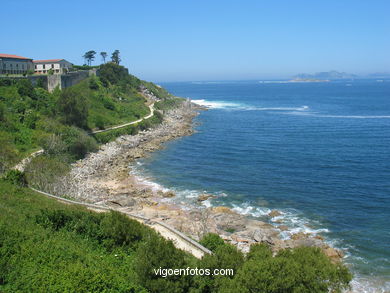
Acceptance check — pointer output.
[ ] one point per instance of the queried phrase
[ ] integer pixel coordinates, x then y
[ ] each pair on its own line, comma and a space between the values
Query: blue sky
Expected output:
174, 40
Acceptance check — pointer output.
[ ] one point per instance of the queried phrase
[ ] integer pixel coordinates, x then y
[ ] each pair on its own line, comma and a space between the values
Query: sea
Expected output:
317, 152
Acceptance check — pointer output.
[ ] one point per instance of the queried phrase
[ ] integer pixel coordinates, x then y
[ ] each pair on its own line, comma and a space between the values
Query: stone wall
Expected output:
50, 82
73, 78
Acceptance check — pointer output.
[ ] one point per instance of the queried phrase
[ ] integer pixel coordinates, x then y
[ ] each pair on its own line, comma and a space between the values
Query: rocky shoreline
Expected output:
105, 178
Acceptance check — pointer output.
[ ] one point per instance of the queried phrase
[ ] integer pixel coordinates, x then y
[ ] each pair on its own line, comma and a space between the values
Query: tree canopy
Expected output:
104, 56
89, 56
115, 57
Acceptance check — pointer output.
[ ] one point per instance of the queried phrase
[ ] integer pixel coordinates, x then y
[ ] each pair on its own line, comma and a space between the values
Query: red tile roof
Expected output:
13, 56
47, 61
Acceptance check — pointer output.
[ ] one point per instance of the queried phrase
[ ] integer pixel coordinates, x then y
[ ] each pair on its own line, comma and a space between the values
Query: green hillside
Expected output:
32, 118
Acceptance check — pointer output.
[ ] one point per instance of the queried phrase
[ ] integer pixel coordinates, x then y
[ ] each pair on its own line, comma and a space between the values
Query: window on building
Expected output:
44, 66
52, 66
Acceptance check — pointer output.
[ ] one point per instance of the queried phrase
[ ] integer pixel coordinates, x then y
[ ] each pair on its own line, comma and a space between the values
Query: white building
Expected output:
58, 66
13, 64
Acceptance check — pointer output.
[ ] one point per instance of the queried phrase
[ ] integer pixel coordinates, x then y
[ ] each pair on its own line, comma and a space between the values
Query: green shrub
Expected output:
259, 252
53, 144
8, 152
16, 177
160, 253
43, 172
159, 116
45, 102
225, 256
31, 118
119, 231
41, 83
212, 241
99, 122
78, 142
2, 112
25, 88
105, 137
73, 107
108, 104
54, 219
111, 74
5, 82
112, 230
93, 83
304, 269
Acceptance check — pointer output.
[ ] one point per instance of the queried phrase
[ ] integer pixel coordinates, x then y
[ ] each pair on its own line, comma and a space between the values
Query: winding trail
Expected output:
151, 107
180, 240
23, 163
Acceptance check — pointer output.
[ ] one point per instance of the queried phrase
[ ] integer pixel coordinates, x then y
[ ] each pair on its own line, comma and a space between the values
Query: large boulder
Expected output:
222, 210
274, 213
169, 194
283, 228
335, 255
229, 222
204, 196
265, 236
126, 202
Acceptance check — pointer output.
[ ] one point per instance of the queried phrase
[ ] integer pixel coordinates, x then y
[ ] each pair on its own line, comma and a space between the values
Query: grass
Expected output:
35, 258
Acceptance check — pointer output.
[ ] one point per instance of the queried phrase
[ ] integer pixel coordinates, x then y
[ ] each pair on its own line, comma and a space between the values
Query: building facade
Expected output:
58, 66
13, 64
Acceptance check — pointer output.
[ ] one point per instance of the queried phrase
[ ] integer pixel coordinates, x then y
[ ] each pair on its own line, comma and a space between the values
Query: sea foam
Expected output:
244, 107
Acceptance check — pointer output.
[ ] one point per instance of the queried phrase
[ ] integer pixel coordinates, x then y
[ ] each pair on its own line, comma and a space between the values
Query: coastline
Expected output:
106, 178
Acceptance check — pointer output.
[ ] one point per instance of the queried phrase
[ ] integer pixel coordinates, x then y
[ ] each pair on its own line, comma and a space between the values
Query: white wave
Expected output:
302, 108
188, 194
247, 209
217, 104
238, 106
370, 284
207, 203
288, 217
141, 179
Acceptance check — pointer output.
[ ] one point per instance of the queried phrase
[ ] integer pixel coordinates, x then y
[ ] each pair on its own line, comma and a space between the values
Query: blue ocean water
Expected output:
319, 152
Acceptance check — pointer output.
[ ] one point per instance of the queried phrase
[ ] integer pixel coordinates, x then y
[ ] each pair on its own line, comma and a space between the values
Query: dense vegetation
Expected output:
32, 118
47, 246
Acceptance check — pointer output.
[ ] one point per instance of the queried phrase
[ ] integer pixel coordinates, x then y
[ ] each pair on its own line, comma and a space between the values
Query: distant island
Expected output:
324, 76
308, 80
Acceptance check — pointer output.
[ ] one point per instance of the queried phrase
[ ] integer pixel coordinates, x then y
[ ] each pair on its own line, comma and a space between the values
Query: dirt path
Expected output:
151, 107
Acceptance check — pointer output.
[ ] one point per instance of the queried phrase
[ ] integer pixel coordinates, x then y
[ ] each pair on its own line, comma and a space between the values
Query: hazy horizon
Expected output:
203, 40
